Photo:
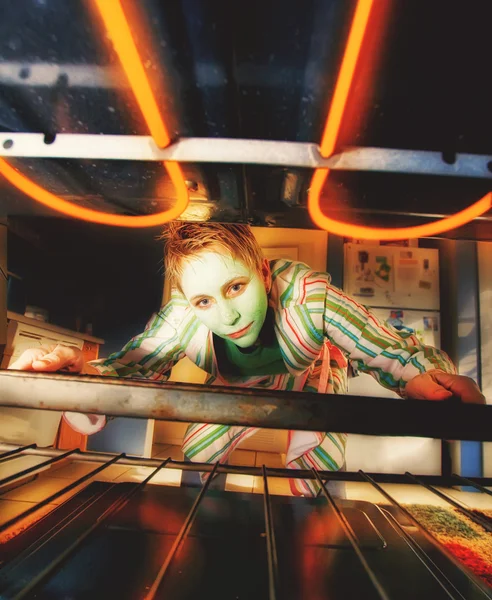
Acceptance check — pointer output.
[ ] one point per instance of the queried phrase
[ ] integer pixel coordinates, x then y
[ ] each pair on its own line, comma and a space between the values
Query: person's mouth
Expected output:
240, 333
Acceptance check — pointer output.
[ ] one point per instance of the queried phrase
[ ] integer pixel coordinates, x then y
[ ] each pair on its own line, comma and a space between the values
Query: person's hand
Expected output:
51, 358
438, 385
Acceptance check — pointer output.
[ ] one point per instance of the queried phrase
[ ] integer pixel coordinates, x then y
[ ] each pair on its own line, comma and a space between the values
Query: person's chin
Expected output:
246, 340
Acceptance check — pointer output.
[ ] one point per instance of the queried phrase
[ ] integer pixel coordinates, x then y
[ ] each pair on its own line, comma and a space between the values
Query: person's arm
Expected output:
149, 355
398, 361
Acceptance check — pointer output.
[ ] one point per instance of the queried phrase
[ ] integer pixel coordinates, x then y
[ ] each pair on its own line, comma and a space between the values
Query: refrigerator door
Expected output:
392, 276
396, 454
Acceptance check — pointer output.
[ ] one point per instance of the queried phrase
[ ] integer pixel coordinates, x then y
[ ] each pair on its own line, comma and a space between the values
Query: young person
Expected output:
271, 325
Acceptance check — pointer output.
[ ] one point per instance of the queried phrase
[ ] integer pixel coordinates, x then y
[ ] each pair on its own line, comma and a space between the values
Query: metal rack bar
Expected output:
247, 407
12, 453
180, 537
19, 591
241, 151
133, 461
34, 469
468, 513
58, 494
425, 559
270, 539
486, 591
352, 539
23, 573
478, 486
22, 588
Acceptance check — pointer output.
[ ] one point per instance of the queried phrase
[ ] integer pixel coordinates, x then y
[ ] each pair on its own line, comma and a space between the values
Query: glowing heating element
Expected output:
121, 36
119, 31
327, 147
38, 193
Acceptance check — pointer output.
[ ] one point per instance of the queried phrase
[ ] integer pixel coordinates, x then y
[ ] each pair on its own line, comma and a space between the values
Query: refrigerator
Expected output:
400, 286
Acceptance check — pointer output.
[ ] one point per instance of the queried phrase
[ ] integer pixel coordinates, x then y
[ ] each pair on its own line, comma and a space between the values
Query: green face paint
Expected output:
229, 298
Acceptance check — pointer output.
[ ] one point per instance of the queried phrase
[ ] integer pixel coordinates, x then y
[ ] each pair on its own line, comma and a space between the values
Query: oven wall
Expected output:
3, 286
485, 306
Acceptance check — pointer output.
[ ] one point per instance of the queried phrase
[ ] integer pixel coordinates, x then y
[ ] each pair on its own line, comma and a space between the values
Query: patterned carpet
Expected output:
470, 543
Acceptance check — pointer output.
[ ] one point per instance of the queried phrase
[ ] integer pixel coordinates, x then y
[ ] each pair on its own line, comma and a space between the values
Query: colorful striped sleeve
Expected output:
151, 354
391, 357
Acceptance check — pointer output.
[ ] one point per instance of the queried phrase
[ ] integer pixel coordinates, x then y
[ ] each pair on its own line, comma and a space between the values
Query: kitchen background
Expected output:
96, 287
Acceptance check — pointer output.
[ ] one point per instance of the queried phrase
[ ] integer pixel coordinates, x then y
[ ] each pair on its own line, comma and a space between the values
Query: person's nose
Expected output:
228, 313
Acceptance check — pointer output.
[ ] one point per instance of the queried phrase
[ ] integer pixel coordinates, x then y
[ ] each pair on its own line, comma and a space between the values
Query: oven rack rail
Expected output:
110, 396
11, 586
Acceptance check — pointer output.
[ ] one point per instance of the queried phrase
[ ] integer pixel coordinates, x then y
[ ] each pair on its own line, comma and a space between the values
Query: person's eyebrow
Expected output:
193, 298
228, 283
224, 287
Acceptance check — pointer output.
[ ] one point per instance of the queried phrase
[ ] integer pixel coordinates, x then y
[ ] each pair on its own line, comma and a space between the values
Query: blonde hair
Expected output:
185, 240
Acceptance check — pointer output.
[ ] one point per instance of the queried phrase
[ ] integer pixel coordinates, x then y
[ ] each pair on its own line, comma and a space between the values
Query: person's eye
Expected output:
236, 288
203, 303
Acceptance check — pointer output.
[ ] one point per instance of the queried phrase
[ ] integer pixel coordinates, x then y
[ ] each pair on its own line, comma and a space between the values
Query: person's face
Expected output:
229, 298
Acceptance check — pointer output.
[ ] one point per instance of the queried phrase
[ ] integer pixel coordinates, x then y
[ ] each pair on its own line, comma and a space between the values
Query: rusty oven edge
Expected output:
245, 407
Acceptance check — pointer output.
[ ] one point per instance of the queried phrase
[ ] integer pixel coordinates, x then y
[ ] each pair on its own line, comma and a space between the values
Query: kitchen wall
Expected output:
83, 273
312, 245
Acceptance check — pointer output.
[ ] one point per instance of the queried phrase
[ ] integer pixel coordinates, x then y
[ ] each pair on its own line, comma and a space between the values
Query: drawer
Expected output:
90, 350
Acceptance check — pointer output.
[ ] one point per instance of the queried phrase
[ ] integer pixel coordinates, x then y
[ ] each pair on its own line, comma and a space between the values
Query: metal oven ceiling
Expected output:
256, 70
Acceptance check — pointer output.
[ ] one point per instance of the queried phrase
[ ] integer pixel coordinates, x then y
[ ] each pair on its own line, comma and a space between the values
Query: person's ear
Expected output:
266, 275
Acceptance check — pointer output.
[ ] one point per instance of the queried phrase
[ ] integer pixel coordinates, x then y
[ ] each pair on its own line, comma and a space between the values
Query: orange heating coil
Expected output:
327, 147
117, 26
119, 31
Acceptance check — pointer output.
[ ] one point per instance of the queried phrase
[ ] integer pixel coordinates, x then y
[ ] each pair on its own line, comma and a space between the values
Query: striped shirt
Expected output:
320, 330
